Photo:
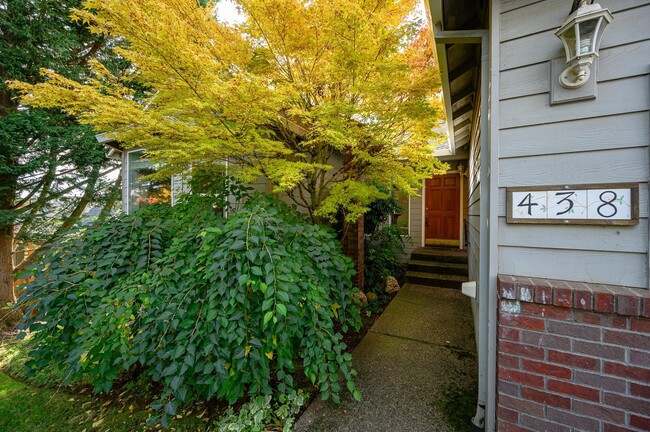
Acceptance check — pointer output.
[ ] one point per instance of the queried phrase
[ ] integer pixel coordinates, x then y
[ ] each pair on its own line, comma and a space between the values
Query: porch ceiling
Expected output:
459, 64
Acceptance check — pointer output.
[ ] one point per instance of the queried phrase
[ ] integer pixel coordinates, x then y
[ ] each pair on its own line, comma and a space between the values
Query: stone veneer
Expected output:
572, 356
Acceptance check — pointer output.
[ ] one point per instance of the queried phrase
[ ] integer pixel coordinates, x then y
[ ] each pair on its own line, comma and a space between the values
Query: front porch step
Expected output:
435, 279
440, 255
438, 267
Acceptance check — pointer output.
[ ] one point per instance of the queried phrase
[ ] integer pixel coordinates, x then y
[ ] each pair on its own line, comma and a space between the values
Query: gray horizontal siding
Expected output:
540, 47
586, 238
575, 265
589, 134
509, 5
535, 79
606, 166
614, 97
604, 140
515, 23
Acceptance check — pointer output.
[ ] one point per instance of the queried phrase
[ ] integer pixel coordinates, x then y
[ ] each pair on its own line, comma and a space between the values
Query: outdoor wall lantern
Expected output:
581, 33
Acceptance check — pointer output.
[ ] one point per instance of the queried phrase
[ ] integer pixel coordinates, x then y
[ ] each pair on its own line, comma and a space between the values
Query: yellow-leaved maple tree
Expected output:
325, 98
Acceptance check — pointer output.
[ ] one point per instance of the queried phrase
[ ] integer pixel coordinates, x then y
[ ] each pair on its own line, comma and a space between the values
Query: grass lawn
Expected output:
33, 409
37, 404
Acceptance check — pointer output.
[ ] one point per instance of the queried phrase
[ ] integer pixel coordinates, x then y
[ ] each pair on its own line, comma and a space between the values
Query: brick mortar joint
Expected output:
580, 296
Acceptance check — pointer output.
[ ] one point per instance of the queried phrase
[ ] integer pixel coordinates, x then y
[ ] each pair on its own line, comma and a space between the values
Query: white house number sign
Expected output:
603, 204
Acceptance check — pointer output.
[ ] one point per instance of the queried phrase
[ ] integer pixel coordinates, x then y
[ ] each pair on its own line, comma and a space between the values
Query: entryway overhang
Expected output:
458, 60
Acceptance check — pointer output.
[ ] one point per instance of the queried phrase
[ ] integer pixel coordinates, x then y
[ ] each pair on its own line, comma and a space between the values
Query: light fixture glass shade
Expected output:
581, 34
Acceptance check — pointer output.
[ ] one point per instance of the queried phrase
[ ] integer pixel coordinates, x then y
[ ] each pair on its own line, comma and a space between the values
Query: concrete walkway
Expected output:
421, 348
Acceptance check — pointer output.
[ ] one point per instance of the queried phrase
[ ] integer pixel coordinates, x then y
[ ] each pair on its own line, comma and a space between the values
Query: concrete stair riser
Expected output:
437, 268
438, 256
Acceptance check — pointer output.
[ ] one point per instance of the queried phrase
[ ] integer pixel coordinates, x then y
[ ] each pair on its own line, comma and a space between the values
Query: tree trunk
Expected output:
8, 318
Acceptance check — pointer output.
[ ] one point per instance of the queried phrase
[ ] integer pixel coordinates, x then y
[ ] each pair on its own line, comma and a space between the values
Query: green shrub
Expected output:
382, 252
203, 305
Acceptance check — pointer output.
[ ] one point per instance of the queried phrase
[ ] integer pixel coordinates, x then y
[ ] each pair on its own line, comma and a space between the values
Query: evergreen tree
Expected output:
51, 167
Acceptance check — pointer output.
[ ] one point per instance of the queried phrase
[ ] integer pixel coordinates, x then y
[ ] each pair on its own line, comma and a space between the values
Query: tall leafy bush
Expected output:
204, 305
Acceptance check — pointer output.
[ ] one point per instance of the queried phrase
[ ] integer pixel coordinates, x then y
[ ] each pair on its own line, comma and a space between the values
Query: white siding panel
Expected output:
602, 267
614, 97
549, 15
615, 166
632, 130
545, 46
579, 237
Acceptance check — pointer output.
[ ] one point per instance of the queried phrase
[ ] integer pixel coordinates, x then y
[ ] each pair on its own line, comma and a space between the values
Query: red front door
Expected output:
442, 210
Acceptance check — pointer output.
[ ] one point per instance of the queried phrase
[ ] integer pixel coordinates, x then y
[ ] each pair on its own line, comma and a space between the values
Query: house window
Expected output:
402, 219
141, 189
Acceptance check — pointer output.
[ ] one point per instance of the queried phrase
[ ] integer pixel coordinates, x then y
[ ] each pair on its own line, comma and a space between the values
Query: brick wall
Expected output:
572, 356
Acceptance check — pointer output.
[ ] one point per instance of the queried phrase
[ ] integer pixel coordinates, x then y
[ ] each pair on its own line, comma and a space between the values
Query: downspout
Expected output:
486, 288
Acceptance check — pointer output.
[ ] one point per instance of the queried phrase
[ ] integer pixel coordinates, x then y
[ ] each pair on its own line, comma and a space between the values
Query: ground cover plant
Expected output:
204, 306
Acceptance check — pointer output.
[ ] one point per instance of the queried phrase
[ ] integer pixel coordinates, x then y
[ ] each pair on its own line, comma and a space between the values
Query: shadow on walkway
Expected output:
418, 354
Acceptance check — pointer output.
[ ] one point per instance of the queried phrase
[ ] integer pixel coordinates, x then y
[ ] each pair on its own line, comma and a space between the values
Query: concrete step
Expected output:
439, 255
435, 279
438, 267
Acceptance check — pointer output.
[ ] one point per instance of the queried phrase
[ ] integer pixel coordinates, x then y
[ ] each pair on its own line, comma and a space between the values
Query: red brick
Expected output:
604, 320
508, 388
509, 427
543, 425
642, 423
508, 415
521, 405
640, 358
563, 297
574, 390
573, 360
546, 398
509, 333
543, 295
572, 419
598, 411
604, 301
546, 369
547, 311
615, 428
578, 331
508, 361
598, 380
520, 321
645, 308
507, 287
599, 349
640, 325
631, 404
627, 371
583, 299
632, 340
546, 340
640, 390
525, 290
628, 303
521, 350
521, 377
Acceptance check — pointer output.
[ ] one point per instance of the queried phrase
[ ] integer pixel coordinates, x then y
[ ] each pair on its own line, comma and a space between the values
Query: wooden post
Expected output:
353, 247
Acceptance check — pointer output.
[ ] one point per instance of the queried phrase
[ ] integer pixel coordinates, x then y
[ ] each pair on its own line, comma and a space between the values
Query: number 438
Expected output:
606, 206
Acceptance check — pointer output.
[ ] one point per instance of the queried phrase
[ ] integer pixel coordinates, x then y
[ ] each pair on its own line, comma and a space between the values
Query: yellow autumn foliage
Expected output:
323, 97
